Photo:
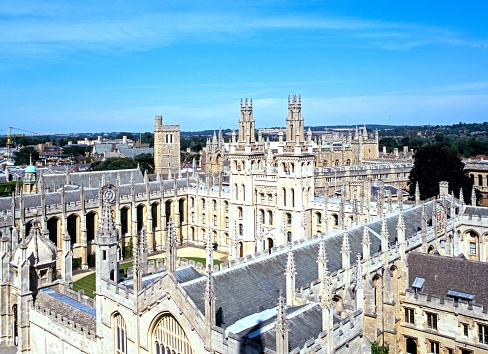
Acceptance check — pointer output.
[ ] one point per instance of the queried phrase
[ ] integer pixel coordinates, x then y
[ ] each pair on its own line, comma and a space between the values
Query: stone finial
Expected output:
322, 260
384, 235
366, 243
473, 196
290, 272
417, 194
281, 327
461, 196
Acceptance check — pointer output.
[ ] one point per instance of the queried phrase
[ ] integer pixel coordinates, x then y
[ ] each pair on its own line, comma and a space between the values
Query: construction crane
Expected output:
9, 140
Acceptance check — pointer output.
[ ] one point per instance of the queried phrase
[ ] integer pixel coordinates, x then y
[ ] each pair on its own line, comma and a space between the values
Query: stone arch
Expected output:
119, 329
182, 209
338, 305
91, 225
155, 215
168, 336
431, 249
318, 218
54, 228
270, 217
168, 209
124, 220
141, 213
28, 227
270, 243
376, 292
73, 228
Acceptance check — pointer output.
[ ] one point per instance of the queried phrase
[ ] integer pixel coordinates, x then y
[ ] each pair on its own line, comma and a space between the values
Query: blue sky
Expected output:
112, 66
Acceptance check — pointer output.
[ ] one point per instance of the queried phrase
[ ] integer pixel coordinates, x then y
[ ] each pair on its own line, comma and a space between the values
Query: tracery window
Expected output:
169, 337
120, 335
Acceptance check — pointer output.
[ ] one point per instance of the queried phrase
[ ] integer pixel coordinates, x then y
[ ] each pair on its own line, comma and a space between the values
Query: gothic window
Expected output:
262, 197
120, 335
409, 315
284, 196
192, 216
215, 220
292, 197
226, 206
270, 198
288, 218
432, 320
434, 347
243, 192
465, 327
203, 204
241, 229
214, 204
319, 218
270, 217
472, 248
483, 333
226, 221
288, 237
203, 219
239, 212
261, 216
169, 337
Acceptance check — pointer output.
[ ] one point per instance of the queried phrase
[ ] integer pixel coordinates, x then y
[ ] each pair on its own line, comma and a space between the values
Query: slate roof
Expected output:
67, 307
253, 287
476, 211
442, 274
303, 326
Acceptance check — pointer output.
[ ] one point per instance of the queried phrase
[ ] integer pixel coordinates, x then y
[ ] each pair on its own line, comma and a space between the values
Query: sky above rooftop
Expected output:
112, 66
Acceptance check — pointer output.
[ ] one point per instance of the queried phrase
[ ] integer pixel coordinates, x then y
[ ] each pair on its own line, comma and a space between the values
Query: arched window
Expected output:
288, 236
169, 337
283, 190
319, 218
270, 217
292, 197
261, 215
120, 334
214, 204
288, 218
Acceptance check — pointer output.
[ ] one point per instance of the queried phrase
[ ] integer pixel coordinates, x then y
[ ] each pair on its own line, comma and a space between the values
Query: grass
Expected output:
88, 283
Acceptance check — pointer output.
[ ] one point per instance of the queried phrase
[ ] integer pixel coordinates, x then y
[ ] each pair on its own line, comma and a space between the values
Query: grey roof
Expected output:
92, 178
443, 274
254, 287
127, 152
187, 274
67, 307
303, 325
475, 211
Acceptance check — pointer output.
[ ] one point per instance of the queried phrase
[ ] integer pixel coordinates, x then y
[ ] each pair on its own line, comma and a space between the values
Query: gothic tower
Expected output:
246, 123
166, 147
294, 121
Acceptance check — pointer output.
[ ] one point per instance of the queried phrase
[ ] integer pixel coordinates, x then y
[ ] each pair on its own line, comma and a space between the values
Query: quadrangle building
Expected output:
308, 271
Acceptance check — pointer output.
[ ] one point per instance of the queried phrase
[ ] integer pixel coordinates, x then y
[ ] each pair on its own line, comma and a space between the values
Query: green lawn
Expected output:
89, 282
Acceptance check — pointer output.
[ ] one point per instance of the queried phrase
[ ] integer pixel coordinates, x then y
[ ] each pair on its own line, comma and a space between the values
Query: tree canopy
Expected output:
22, 157
145, 162
433, 164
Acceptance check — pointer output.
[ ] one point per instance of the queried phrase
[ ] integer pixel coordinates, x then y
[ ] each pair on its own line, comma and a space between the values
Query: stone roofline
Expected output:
64, 321
90, 172
446, 304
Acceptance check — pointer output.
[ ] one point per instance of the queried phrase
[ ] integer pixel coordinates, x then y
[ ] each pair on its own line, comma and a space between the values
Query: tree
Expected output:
433, 164
114, 163
146, 162
23, 156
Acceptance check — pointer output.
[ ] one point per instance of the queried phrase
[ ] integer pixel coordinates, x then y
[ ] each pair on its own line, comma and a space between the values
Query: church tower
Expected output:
246, 123
294, 121
166, 147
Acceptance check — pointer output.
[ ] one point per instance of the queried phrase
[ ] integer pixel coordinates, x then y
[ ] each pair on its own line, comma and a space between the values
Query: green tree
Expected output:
146, 162
22, 157
114, 163
379, 349
433, 164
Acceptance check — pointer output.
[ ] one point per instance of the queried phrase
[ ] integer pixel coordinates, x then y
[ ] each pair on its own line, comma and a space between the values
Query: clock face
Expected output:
108, 195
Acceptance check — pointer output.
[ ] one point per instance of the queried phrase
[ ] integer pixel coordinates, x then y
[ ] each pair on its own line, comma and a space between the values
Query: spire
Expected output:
322, 260
171, 247
424, 229
281, 327
137, 267
417, 194
461, 196
346, 260
384, 235
366, 243
290, 272
400, 198
358, 279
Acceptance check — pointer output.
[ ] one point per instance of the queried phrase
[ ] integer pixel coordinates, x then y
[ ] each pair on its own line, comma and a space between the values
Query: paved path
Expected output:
181, 252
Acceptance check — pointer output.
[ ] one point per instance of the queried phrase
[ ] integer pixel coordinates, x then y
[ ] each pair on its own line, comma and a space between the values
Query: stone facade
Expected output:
166, 147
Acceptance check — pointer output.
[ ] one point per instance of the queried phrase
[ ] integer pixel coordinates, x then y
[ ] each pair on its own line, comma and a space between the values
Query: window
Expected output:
262, 198
270, 217
192, 216
410, 316
215, 220
239, 212
450, 351
319, 218
432, 321
472, 248
120, 335
203, 204
434, 347
465, 329
192, 202
226, 206
203, 219
288, 218
270, 198
241, 229
215, 205
483, 333
226, 221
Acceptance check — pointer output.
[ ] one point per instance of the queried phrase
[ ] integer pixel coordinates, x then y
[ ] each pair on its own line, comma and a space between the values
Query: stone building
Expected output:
166, 147
307, 272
